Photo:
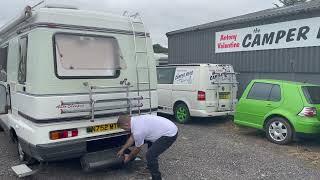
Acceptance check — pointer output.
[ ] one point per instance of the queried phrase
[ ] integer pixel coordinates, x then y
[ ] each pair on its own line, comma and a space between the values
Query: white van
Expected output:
66, 76
200, 90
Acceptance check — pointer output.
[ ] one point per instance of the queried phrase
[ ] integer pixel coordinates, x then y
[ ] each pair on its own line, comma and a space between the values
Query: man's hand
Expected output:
128, 144
120, 153
126, 158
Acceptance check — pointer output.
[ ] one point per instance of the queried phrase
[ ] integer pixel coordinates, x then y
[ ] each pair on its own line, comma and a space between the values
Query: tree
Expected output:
157, 48
289, 2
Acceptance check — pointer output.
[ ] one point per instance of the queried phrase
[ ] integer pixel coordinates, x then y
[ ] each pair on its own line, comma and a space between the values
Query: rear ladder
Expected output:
141, 70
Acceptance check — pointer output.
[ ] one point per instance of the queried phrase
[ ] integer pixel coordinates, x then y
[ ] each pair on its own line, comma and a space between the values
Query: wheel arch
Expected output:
277, 115
179, 102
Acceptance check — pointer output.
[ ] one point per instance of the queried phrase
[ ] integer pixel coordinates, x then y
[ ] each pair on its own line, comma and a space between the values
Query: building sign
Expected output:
290, 34
183, 76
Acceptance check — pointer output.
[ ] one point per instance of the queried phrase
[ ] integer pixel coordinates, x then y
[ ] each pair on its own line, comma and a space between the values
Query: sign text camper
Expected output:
290, 34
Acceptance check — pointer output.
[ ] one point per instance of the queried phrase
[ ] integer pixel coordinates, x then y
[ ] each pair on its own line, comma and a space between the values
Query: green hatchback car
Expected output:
283, 109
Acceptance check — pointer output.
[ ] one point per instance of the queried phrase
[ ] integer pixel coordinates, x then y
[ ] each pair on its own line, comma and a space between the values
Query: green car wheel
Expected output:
279, 131
181, 113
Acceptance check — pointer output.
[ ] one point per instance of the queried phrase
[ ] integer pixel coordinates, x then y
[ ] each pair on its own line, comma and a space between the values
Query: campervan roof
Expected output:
73, 18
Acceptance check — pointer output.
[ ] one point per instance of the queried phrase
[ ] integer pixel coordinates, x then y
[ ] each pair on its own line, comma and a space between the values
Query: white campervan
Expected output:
200, 90
66, 76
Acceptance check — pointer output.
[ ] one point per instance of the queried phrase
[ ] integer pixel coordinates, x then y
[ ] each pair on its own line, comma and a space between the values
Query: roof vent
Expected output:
60, 6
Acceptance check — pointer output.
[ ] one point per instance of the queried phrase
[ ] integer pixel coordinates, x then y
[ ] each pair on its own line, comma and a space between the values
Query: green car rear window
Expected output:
312, 94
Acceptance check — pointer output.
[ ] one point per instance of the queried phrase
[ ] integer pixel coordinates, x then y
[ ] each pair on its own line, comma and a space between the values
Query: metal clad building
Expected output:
198, 45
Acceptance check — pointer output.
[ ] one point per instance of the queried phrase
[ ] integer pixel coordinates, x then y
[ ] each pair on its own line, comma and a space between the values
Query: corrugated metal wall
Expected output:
299, 64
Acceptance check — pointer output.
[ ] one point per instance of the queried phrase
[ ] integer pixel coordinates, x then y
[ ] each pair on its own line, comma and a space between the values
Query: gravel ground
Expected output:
205, 149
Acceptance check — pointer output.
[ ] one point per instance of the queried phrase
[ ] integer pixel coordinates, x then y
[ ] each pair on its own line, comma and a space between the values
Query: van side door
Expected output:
165, 77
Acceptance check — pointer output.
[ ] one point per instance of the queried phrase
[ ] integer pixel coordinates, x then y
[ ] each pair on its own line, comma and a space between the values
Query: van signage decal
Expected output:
63, 107
220, 74
183, 76
290, 34
71, 106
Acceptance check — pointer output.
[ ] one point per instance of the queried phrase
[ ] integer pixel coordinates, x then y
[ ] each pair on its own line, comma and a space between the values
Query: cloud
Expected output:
160, 16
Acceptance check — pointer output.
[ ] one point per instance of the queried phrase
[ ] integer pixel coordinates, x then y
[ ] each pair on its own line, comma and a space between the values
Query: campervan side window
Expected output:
165, 75
3, 63
23, 54
86, 56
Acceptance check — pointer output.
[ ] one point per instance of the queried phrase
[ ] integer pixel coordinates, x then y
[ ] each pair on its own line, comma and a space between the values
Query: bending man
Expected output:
160, 131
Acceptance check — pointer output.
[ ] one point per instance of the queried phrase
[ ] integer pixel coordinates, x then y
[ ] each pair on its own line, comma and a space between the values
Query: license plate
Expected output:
102, 128
224, 95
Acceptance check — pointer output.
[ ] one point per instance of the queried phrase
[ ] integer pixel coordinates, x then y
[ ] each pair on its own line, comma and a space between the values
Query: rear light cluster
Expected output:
201, 96
62, 134
308, 112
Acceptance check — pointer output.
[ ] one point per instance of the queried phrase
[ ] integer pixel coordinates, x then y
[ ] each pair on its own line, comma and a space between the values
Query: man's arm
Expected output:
135, 151
128, 144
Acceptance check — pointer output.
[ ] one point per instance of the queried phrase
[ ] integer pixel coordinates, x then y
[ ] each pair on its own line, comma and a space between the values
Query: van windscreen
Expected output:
312, 94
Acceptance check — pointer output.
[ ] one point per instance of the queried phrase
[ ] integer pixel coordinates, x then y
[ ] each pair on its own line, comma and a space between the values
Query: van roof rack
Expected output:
61, 6
44, 4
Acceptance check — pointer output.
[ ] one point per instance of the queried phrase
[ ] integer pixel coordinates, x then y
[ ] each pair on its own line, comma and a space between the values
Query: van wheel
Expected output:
23, 157
279, 131
181, 113
1, 129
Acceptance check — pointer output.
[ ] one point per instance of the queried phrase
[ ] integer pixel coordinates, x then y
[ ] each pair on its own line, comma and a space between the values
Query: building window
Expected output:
3, 63
23, 55
86, 56
265, 92
165, 75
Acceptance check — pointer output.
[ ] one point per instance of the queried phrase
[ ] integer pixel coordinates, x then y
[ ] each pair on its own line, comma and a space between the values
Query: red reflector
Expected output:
201, 96
74, 132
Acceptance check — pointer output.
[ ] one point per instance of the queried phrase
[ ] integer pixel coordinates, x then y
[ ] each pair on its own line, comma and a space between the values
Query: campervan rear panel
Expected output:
44, 89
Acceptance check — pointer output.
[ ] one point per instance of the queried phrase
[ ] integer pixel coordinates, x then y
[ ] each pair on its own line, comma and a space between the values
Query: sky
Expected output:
160, 16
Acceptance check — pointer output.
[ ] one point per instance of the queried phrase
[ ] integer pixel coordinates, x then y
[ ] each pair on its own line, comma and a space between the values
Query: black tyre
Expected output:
181, 113
1, 129
23, 157
279, 131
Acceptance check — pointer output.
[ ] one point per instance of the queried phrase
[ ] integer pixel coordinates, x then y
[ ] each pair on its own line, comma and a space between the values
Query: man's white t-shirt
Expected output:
151, 128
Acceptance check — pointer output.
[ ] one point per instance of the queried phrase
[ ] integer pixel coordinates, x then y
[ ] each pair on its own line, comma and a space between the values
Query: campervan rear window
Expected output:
86, 55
